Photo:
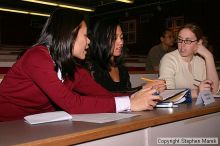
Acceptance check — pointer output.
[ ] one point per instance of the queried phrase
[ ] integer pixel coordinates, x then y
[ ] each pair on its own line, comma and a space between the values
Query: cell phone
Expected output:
166, 104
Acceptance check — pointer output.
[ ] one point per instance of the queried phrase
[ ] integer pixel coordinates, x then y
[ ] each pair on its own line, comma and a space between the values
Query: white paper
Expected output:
182, 99
199, 100
170, 92
205, 97
101, 117
47, 117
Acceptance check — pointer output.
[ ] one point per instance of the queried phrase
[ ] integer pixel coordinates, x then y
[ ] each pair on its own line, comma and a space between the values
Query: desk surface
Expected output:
68, 132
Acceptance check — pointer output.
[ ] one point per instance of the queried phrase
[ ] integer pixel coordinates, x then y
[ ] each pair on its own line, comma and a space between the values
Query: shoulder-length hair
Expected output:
103, 36
197, 31
59, 35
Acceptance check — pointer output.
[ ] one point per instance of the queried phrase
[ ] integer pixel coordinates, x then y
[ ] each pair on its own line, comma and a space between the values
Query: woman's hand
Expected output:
206, 85
144, 100
158, 84
202, 50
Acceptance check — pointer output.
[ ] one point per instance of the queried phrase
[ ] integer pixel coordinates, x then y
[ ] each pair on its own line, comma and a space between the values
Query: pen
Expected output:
197, 80
146, 79
196, 85
200, 82
150, 80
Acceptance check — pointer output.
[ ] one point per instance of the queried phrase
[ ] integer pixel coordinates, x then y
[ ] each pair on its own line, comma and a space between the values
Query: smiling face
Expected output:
185, 36
79, 48
118, 43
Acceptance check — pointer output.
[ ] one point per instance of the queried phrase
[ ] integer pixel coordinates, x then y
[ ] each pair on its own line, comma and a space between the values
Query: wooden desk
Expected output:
141, 130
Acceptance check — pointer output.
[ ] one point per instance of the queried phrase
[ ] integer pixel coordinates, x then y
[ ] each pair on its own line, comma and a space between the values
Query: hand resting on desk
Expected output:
204, 85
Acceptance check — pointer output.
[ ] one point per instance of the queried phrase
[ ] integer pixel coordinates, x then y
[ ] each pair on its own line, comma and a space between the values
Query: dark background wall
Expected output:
19, 29
202, 12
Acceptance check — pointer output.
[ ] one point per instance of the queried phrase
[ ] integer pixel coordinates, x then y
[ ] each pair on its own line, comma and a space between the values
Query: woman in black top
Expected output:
119, 81
106, 57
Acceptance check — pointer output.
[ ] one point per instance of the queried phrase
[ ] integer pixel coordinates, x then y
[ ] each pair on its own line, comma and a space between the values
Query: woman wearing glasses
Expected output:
191, 65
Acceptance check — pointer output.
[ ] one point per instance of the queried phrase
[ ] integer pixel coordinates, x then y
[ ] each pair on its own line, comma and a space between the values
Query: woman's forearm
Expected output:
212, 72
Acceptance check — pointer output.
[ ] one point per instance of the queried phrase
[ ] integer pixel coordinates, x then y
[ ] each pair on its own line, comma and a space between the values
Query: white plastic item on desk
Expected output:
47, 117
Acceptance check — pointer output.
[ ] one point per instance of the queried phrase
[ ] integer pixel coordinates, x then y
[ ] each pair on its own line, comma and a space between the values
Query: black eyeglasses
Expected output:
188, 42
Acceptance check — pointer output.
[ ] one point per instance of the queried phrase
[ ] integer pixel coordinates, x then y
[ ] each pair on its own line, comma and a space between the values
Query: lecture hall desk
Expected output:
187, 120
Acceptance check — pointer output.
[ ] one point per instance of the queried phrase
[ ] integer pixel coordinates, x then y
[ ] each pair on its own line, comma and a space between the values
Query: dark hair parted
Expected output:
163, 33
58, 35
197, 31
103, 36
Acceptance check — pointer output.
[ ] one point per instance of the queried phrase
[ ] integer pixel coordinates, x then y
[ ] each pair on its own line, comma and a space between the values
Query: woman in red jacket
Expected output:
47, 76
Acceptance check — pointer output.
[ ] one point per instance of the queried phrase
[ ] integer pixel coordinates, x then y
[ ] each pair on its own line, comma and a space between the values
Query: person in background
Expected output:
157, 52
190, 64
105, 59
48, 75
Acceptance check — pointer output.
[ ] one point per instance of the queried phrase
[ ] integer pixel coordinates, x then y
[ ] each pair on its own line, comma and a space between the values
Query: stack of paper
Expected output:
172, 97
47, 117
166, 94
178, 98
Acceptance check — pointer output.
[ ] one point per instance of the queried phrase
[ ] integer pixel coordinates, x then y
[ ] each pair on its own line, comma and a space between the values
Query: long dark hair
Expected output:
58, 35
102, 38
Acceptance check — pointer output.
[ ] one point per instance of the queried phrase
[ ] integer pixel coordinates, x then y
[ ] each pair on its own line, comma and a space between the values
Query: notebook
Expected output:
47, 117
175, 96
